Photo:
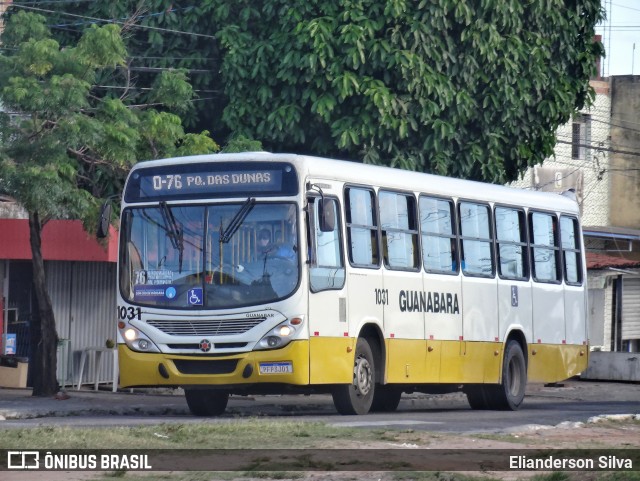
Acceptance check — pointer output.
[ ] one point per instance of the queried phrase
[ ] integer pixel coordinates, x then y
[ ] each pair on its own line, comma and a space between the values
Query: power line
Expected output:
37, 2
119, 87
116, 22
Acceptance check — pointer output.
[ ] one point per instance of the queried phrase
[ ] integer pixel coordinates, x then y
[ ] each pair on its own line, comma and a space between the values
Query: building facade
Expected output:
81, 277
598, 154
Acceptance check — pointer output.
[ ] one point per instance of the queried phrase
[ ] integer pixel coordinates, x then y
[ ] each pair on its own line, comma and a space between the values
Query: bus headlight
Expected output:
281, 335
137, 340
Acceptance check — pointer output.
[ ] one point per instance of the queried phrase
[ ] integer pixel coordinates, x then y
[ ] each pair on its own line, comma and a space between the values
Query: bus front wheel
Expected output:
206, 402
357, 397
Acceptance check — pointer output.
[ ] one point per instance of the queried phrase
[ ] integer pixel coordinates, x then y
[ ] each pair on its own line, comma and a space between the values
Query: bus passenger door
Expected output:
402, 295
480, 329
329, 360
549, 329
443, 326
404, 326
366, 290
442, 290
514, 285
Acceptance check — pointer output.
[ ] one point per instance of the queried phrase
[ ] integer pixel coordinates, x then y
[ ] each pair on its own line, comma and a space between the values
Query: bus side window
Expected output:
438, 237
570, 238
511, 236
362, 228
544, 247
326, 270
476, 239
399, 231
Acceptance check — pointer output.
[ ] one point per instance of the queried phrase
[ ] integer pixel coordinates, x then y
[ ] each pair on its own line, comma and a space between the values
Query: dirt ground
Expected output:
615, 432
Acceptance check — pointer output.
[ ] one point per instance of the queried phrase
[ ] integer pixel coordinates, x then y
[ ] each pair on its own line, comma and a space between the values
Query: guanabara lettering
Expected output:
436, 302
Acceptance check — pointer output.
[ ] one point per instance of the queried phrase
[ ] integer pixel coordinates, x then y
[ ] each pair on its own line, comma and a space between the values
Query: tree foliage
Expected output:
65, 144
63, 148
159, 35
468, 88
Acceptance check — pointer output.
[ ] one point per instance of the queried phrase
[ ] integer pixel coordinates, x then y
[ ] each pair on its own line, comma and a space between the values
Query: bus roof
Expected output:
392, 178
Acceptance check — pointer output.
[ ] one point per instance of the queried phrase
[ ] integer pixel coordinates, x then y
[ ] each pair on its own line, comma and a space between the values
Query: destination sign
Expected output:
211, 179
208, 182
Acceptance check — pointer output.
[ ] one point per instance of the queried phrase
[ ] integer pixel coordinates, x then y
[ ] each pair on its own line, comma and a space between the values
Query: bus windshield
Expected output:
209, 257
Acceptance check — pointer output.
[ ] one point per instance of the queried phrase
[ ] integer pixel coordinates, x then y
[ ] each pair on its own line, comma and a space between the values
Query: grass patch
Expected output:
245, 433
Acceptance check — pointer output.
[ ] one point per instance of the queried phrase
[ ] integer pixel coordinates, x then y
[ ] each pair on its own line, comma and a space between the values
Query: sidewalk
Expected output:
20, 404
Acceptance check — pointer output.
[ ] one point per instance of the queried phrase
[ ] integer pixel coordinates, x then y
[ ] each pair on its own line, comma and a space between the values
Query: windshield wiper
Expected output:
236, 222
173, 231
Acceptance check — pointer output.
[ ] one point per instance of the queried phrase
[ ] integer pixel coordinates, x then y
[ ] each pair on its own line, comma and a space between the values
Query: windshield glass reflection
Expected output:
218, 256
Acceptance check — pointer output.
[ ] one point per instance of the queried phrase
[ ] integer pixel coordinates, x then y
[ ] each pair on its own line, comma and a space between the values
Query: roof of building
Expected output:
62, 240
610, 232
596, 260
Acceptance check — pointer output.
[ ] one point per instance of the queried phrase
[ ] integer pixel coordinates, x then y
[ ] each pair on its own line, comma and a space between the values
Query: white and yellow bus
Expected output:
269, 273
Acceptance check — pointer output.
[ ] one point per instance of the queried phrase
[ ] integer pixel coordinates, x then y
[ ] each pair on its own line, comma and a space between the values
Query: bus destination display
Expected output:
210, 182
264, 180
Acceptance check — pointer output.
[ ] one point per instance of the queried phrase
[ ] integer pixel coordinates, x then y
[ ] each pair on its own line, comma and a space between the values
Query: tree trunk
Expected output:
43, 333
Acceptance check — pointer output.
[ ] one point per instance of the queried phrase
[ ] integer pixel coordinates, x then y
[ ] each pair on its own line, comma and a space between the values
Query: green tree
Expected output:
468, 88
64, 147
160, 34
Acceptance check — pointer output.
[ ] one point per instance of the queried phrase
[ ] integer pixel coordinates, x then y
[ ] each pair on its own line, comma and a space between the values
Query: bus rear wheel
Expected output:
357, 397
206, 402
386, 399
508, 395
477, 397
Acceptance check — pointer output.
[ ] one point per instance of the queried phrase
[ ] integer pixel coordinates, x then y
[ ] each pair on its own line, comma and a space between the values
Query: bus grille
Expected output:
205, 327
206, 367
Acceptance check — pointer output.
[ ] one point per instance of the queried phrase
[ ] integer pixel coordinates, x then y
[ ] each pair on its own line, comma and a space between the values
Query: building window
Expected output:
580, 136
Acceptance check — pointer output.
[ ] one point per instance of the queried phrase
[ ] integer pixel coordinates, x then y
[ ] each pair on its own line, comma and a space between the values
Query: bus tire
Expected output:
477, 397
508, 395
357, 397
206, 402
386, 399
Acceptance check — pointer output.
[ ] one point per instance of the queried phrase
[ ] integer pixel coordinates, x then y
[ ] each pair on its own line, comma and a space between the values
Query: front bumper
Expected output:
139, 369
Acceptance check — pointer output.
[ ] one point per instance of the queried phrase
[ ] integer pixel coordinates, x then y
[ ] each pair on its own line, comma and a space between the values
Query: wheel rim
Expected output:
362, 376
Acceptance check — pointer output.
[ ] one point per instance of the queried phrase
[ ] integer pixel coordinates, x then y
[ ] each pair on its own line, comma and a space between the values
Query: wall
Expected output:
2, 297
625, 137
613, 366
11, 210
596, 176
83, 295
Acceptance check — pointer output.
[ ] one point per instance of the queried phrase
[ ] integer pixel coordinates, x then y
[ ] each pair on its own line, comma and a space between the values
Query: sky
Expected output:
620, 32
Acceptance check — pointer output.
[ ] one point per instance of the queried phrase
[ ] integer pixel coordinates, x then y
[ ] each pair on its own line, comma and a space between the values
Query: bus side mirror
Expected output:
104, 221
326, 210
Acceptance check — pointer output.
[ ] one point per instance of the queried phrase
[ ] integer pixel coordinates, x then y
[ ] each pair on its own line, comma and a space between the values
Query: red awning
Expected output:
596, 260
62, 240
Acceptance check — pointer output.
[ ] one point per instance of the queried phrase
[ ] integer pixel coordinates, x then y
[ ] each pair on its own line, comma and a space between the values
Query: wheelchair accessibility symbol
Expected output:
195, 296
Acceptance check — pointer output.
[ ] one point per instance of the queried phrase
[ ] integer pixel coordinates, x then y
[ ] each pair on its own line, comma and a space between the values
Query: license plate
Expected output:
276, 367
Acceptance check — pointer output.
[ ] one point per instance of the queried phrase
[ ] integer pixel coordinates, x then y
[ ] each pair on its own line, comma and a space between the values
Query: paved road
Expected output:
575, 401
